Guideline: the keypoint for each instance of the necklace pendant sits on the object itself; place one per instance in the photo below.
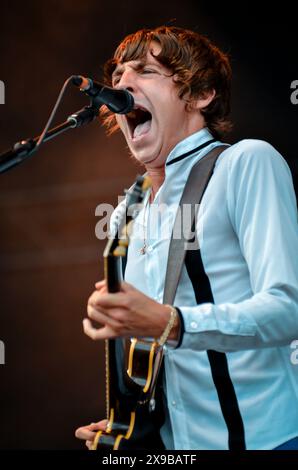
(143, 250)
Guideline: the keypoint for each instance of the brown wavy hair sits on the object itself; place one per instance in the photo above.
(196, 64)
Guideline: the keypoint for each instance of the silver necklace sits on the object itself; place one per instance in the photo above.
(143, 250)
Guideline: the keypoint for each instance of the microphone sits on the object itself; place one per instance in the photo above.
(118, 101)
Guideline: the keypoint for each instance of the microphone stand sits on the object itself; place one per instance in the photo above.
(24, 149)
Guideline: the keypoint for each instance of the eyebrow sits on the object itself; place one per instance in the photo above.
(120, 67)
(136, 65)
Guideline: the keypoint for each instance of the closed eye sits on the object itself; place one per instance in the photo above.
(147, 71)
(115, 80)
(144, 71)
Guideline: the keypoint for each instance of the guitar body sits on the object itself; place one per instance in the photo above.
(134, 418)
(137, 434)
(133, 379)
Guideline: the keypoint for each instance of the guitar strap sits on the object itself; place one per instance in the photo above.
(192, 195)
(180, 254)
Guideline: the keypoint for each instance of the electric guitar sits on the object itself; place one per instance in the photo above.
(132, 365)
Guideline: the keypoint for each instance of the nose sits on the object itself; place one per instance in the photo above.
(128, 81)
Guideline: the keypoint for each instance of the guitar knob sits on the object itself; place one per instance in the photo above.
(152, 405)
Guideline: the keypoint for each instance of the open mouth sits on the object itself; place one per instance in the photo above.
(139, 122)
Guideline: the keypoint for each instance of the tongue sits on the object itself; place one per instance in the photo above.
(142, 128)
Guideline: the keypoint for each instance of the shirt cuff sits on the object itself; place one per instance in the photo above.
(174, 344)
(209, 326)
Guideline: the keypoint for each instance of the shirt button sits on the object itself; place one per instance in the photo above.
(174, 403)
(194, 324)
(149, 249)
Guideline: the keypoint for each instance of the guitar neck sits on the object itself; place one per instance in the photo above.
(120, 388)
(113, 273)
(113, 279)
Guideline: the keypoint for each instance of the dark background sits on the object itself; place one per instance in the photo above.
(53, 379)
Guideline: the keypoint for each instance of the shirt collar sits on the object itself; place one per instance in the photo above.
(188, 146)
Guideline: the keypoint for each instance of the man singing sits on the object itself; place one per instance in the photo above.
(248, 242)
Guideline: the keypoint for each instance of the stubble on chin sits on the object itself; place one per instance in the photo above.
(133, 158)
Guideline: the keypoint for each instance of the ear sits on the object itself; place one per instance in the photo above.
(203, 101)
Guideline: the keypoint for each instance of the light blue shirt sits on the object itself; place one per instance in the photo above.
(247, 231)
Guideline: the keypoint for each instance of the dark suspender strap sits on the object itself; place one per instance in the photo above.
(178, 254)
(218, 360)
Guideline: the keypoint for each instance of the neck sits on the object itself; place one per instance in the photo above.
(157, 176)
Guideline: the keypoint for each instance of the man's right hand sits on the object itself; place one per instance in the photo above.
(88, 433)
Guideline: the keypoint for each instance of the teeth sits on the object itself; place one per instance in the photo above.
(132, 114)
(140, 107)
